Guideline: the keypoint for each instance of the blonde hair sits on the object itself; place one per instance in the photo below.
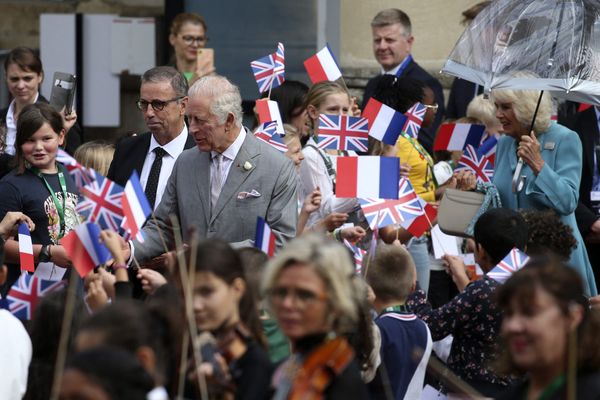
(524, 103)
(96, 154)
(392, 273)
(332, 263)
(291, 133)
(483, 109)
(319, 92)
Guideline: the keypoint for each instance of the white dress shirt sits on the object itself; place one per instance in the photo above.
(174, 148)
(313, 173)
(228, 156)
(11, 127)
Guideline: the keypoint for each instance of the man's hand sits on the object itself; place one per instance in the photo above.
(334, 220)
(10, 224)
(151, 280)
(353, 234)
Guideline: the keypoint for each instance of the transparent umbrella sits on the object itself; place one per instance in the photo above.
(556, 42)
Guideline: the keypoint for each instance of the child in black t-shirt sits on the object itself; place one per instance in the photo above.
(39, 186)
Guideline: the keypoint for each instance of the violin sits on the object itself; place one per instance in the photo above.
(320, 368)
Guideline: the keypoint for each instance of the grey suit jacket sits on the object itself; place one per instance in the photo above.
(187, 196)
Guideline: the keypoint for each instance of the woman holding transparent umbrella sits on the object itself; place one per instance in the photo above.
(552, 160)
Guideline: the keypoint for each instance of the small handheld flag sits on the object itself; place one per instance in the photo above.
(368, 176)
(514, 261)
(380, 213)
(455, 137)
(322, 66)
(136, 207)
(84, 248)
(488, 149)
(269, 71)
(385, 123)
(342, 132)
(414, 120)
(479, 165)
(25, 248)
(267, 133)
(265, 239)
(80, 174)
(26, 293)
(102, 203)
(421, 224)
(358, 255)
(268, 111)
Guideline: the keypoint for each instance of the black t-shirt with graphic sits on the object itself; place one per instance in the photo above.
(28, 193)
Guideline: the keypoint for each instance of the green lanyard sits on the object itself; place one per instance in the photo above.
(552, 388)
(402, 308)
(60, 208)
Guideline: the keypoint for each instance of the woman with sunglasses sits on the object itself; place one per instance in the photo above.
(188, 37)
(314, 295)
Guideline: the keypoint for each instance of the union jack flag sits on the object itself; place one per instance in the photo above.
(102, 203)
(478, 164)
(488, 148)
(267, 132)
(80, 174)
(514, 261)
(380, 213)
(269, 71)
(414, 119)
(358, 255)
(342, 132)
(25, 294)
(421, 224)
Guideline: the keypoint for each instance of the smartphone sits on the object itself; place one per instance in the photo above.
(63, 91)
(205, 60)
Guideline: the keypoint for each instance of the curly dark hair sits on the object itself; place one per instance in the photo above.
(547, 233)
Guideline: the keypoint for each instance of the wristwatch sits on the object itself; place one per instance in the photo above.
(44, 254)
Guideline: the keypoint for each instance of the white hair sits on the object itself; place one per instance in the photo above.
(225, 97)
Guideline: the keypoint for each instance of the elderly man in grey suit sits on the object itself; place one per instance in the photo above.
(229, 179)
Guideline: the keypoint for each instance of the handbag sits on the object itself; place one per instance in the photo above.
(456, 211)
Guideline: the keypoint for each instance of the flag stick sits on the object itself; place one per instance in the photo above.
(65, 333)
(271, 85)
(183, 363)
(189, 311)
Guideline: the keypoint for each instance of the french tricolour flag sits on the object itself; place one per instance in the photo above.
(322, 66)
(265, 239)
(385, 123)
(84, 248)
(368, 176)
(25, 248)
(457, 136)
(268, 111)
(135, 206)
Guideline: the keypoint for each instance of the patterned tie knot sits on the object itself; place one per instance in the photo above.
(159, 152)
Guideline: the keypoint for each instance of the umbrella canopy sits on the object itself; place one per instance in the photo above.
(556, 40)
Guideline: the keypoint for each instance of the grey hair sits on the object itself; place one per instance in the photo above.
(333, 264)
(170, 74)
(392, 16)
(225, 97)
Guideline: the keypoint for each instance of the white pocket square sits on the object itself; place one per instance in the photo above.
(245, 195)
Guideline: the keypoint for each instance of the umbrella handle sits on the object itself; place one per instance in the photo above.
(518, 180)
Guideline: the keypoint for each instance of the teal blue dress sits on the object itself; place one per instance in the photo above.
(555, 187)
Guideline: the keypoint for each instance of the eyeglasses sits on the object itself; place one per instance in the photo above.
(302, 297)
(187, 39)
(433, 107)
(157, 105)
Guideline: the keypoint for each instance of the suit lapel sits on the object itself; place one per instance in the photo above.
(237, 174)
(139, 157)
(202, 168)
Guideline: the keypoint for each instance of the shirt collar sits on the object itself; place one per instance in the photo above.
(231, 152)
(394, 71)
(10, 120)
(174, 147)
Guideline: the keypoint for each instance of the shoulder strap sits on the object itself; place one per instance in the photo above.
(328, 164)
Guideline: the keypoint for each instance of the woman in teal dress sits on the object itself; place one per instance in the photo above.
(552, 156)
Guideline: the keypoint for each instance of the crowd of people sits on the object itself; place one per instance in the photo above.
(191, 309)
